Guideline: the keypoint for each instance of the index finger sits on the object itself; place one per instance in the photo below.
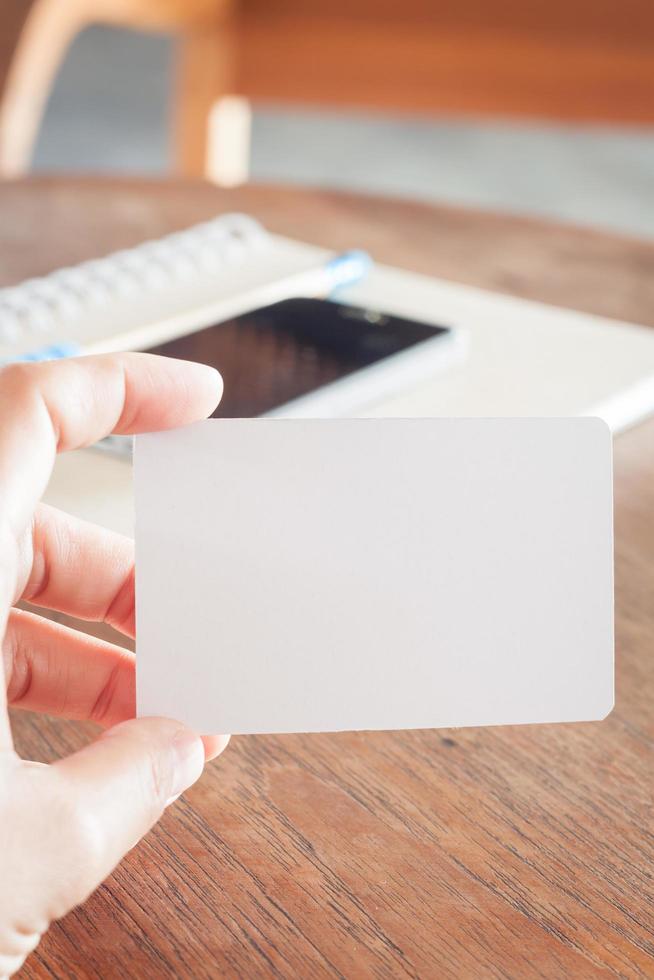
(60, 405)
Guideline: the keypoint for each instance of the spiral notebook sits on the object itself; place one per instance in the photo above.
(147, 294)
(516, 357)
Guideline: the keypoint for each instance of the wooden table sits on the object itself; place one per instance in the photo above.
(510, 852)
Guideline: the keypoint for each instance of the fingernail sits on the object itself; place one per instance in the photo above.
(189, 760)
(207, 374)
(214, 745)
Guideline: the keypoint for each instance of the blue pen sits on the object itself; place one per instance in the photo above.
(347, 269)
(52, 352)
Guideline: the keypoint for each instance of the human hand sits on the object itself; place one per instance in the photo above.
(65, 826)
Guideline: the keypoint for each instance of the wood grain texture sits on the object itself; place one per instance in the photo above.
(510, 852)
(558, 60)
(587, 60)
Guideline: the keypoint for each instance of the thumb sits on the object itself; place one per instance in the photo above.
(121, 784)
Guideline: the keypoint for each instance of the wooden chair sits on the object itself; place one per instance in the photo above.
(35, 36)
(565, 60)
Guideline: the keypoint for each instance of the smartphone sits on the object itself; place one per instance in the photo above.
(311, 357)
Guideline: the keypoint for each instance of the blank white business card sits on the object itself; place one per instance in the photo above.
(321, 575)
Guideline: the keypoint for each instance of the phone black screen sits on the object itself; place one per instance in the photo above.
(269, 356)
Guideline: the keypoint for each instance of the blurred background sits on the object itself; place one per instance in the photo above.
(545, 108)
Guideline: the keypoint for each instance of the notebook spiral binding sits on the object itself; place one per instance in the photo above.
(40, 306)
